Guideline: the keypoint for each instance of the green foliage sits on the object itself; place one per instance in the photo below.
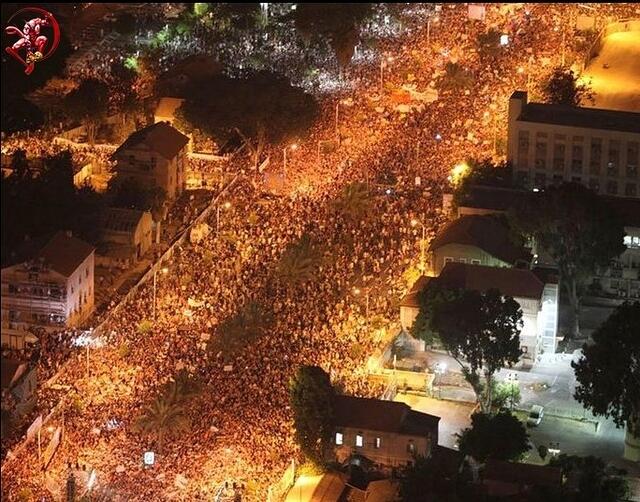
(260, 109)
(299, 262)
(479, 330)
(163, 417)
(124, 350)
(455, 78)
(580, 231)
(237, 331)
(595, 482)
(312, 400)
(144, 326)
(506, 394)
(543, 451)
(608, 373)
(88, 103)
(26, 495)
(489, 43)
(501, 437)
(562, 88)
(354, 201)
(129, 193)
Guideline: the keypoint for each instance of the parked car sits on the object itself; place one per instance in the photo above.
(535, 415)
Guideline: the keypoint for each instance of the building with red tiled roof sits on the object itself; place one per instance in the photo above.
(52, 287)
(385, 432)
(537, 299)
(154, 156)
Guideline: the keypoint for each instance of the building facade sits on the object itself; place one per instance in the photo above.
(155, 157)
(387, 433)
(549, 144)
(54, 288)
(125, 236)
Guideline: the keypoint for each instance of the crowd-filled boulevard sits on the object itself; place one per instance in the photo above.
(241, 425)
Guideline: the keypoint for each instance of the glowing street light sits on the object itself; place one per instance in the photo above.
(293, 146)
(458, 172)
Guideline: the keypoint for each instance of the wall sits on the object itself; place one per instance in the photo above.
(463, 252)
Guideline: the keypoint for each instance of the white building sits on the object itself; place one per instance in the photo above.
(54, 288)
(549, 144)
(537, 299)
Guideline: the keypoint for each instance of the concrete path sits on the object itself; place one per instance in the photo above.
(303, 489)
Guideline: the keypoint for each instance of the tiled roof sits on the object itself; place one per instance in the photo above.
(487, 232)
(515, 282)
(119, 219)
(573, 116)
(160, 137)
(378, 415)
(64, 253)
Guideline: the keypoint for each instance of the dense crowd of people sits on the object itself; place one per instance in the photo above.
(241, 427)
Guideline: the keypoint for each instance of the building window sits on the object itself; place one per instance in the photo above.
(359, 440)
(475, 262)
(630, 190)
(378, 442)
(558, 156)
(612, 188)
(632, 171)
(12, 288)
(613, 160)
(339, 438)
(596, 156)
(448, 259)
(462, 260)
(540, 180)
(541, 152)
(594, 185)
(632, 154)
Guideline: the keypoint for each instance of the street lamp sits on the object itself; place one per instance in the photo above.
(294, 146)
(388, 59)
(415, 223)
(164, 271)
(226, 205)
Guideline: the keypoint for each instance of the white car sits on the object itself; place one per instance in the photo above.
(535, 415)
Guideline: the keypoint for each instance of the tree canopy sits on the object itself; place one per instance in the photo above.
(299, 262)
(608, 373)
(580, 231)
(592, 479)
(481, 331)
(88, 103)
(262, 109)
(500, 437)
(563, 88)
(312, 400)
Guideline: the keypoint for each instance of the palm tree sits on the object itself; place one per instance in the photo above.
(455, 77)
(489, 43)
(299, 261)
(250, 322)
(165, 416)
(354, 201)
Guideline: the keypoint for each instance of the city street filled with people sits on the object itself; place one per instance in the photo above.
(241, 426)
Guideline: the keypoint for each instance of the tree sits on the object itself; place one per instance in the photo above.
(499, 437)
(236, 331)
(506, 394)
(578, 229)
(338, 23)
(489, 43)
(354, 201)
(163, 417)
(455, 78)
(129, 193)
(299, 261)
(562, 88)
(262, 108)
(89, 104)
(312, 401)
(481, 331)
(594, 482)
(608, 373)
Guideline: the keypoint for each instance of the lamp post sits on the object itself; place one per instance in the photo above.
(164, 271)
(294, 146)
(414, 223)
(226, 205)
(388, 59)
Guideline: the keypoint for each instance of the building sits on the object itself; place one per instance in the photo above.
(19, 385)
(386, 433)
(620, 281)
(155, 157)
(479, 240)
(548, 144)
(537, 299)
(166, 109)
(53, 288)
(502, 479)
(125, 236)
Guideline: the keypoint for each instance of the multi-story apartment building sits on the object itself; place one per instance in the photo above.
(154, 156)
(388, 433)
(54, 288)
(549, 144)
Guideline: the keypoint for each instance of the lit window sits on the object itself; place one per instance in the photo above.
(359, 440)
(378, 442)
(411, 448)
(338, 437)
